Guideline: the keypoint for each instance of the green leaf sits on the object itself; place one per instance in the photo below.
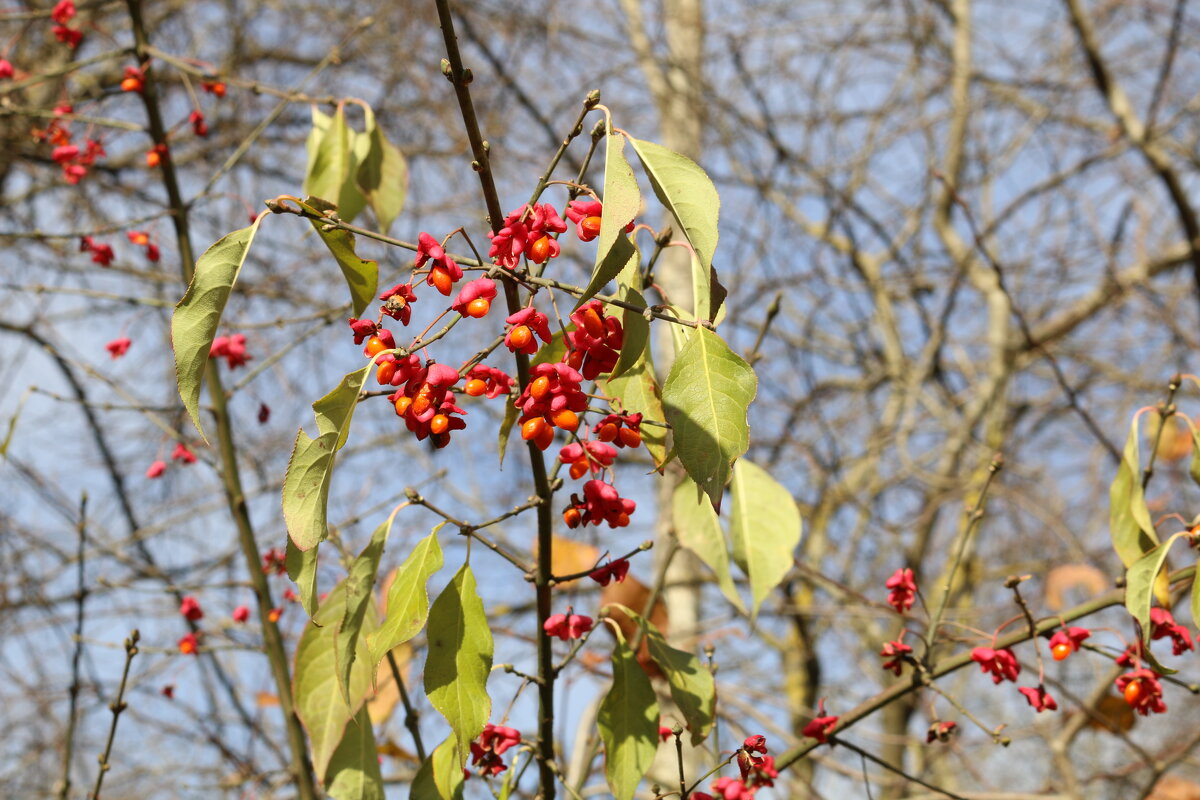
(333, 167)
(686, 190)
(1130, 525)
(440, 776)
(1140, 580)
(1196, 597)
(302, 569)
(320, 705)
(636, 333)
(628, 722)
(765, 526)
(706, 397)
(359, 583)
(197, 316)
(361, 274)
(699, 530)
(310, 469)
(638, 392)
(320, 124)
(353, 772)
(408, 600)
(615, 251)
(1194, 469)
(382, 174)
(459, 659)
(692, 686)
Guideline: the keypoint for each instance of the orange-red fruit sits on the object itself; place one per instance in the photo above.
(131, 85)
(591, 225)
(153, 158)
(421, 402)
(475, 387)
(545, 438)
(572, 517)
(622, 520)
(539, 251)
(375, 346)
(1060, 651)
(533, 428)
(578, 469)
(1133, 692)
(478, 307)
(592, 323)
(402, 405)
(566, 419)
(385, 372)
(520, 336)
(442, 280)
(630, 438)
(439, 423)
(539, 387)
(607, 432)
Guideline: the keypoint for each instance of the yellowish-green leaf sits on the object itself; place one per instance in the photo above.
(310, 469)
(353, 772)
(302, 569)
(615, 251)
(198, 315)
(1140, 579)
(765, 527)
(1130, 525)
(361, 274)
(459, 659)
(382, 174)
(333, 166)
(705, 398)
(320, 705)
(689, 194)
(440, 776)
(408, 600)
(636, 333)
(360, 585)
(699, 530)
(638, 392)
(628, 722)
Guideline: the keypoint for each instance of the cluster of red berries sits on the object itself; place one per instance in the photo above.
(189, 643)
(181, 453)
(427, 404)
(756, 767)
(553, 398)
(62, 13)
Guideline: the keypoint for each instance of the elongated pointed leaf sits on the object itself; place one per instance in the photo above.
(353, 772)
(320, 124)
(765, 527)
(408, 600)
(334, 163)
(459, 659)
(706, 398)
(638, 392)
(636, 334)
(1130, 525)
(360, 585)
(692, 686)
(687, 191)
(628, 722)
(361, 274)
(382, 174)
(1140, 579)
(310, 469)
(699, 530)
(440, 776)
(302, 569)
(615, 251)
(198, 315)
(320, 704)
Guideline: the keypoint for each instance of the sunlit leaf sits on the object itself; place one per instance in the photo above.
(382, 174)
(691, 683)
(333, 166)
(1130, 525)
(638, 392)
(459, 659)
(1140, 580)
(360, 585)
(440, 776)
(699, 530)
(302, 569)
(361, 274)
(628, 722)
(353, 772)
(765, 528)
(198, 315)
(310, 469)
(407, 599)
(705, 398)
(636, 334)
(622, 201)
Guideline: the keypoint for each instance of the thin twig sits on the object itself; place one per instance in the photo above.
(116, 706)
(81, 594)
(411, 720)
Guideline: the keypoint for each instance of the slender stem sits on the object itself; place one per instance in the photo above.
(116, 706)
(460, 79)
(235, 497)
(892, 768)
(81, 594)
(411, 720)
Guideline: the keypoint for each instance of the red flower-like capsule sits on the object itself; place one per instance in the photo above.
(940, 732)
(1039, 698)
(134, 80)
(587, 457)
(156, 469)
(1142, 690)
(118, 347)
(274, 560)
(491, 744)
(232, 348)
(445, 271)
(595, 345)
(527, 234)
(63, 11)
(612, 571)
(199, 125)
(6, 69)
(214, 87)
(475, 298)
(903, 590)
(730, 789)
(241, 614)
(567, 626)
(623, 430)
(362, 329)
(189, 645)
(182, 453)
(1065, 642)
(896, 651)
(190, 609)
(1163, 625)
(602, 503)
(397, 301)
(487, 381)
(1001, 663)
(525, 323)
